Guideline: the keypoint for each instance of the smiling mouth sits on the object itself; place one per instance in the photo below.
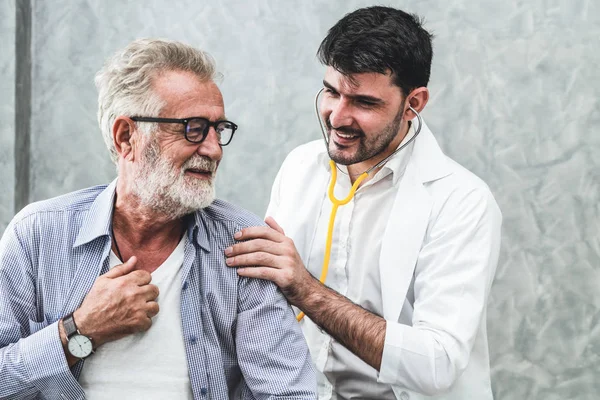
(201, 173)
(344, 139)
(346, 135)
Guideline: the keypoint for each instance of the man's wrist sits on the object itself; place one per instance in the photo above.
(65, 341)
(79, 345)
(62, 333)
(83, 328)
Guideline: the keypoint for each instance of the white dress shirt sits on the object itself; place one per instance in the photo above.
(354, 273)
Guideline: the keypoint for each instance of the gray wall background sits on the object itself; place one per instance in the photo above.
(514, 98)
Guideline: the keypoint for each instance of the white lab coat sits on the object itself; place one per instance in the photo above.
(444, 229)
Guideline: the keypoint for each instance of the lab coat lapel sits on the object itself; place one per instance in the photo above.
(409, 218)
(302, 211)
(309, 205)
(402, 242)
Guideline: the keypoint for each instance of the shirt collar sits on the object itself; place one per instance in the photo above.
(198, 225)
(398, 162)
(98, 220)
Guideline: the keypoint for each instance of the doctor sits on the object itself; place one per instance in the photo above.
(402, 314)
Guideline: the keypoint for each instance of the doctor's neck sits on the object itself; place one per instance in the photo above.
(357, 169)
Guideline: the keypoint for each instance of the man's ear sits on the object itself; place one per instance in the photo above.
(124, 133)
(417, 99)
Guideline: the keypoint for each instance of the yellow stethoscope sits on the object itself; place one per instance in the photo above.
(337, 202)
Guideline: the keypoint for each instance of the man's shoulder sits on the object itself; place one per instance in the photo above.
(221, 210)
(72, 202)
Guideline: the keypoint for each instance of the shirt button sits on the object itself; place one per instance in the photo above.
(203, 391)
(193, 339)
(185, 285)
(404, 396)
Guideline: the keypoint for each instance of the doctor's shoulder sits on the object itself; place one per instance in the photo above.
(463, 189)
(307, 153)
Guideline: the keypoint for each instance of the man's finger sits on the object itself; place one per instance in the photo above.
(140, 277)
(152, 309)
(123, 269)
(273, 224)
(150, 292)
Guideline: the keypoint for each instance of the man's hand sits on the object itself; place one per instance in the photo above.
(120, 303)
(272, 256)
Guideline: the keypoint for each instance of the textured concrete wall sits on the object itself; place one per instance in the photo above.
(7, 111)
(514, 98)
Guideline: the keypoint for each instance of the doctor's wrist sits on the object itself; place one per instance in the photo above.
(307, 294)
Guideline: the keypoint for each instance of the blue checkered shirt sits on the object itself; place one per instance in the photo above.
(241, 337)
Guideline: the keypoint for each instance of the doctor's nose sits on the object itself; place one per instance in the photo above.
(339, 114)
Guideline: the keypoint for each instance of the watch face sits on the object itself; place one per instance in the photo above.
(80, 346)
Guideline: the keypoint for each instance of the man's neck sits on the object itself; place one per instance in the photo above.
(144, 233)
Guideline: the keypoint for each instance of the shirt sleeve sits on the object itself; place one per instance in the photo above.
(452, 281)
(32, 359)
(272, 353)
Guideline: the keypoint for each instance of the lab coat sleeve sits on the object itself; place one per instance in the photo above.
(32, 359)
(452, 281)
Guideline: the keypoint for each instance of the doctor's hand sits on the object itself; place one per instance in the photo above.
(266, 253)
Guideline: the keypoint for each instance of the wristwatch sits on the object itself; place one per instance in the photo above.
(80, 346)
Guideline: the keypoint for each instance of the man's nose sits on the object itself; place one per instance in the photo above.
(210, 146)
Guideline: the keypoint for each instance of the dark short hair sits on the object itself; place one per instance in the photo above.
(380, 39)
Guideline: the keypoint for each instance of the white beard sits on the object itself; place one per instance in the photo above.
(163, 189)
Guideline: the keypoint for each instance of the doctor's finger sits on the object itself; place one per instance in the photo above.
(259, 232)
(255, 245)
(266, 273)
(273, 224)
(251, 259)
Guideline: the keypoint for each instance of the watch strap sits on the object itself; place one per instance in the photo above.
(69, 325)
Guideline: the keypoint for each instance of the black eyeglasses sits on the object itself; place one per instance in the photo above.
(196, 128)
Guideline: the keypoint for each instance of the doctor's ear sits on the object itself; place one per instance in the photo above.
(417, 99)
(124, 137)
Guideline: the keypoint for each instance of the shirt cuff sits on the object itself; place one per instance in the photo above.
(391, 357)
(46, 365)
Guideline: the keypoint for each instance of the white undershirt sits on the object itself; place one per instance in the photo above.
(148, 365)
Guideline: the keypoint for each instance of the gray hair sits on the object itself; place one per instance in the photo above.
(125, 81)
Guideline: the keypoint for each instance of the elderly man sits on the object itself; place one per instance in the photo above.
(122, 291)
